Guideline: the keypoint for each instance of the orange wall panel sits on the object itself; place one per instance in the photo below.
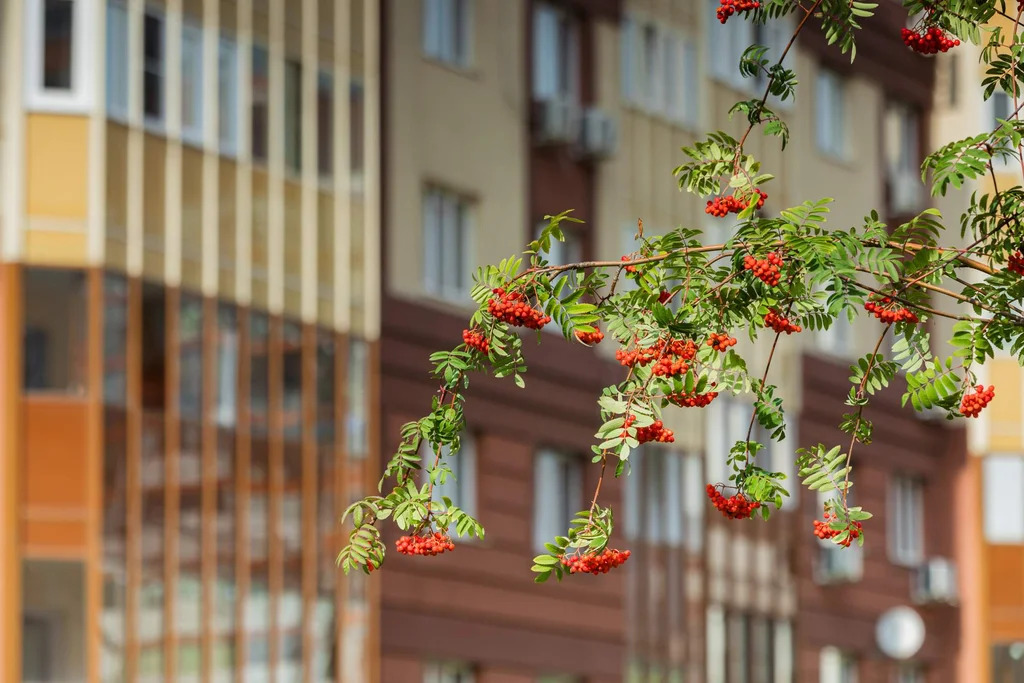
(56, 163)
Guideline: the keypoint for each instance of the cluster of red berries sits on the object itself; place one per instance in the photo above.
(824, 530)
(629, 269)
(888, 312)
(590, 338)
(720, 342)
(592, 563)
(972, 404)
(512, 308)
(653, 432)
(694, 400)
(929, 42)
(670, 358)
(433, 544)
(664, 296)
(768, 269)
(729, 7)
(780, 323)
(1016, 261)
(734, 507)
(722, 206)
(476, 340)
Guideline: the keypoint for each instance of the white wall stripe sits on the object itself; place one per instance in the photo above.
(342, 168)
(12, 187)
(310, 170)
(172, 118)
(136, 167)
(275, 193)
(211, 181)
(243, 180)
(97, 212)
(371, 173)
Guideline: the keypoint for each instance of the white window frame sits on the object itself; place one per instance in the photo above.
(80, 97)
(557, 493)
(192, 46)
(118, 89)
(782, 651)
(668, 86)
(837, 340)
(154, 123)
(905, 520)
(447, 246)
(837, 666)
(715, 643)
(902, 124)
(830, 105)
(461, 485)
(1000, 163)
(551, 49)
(726, 421)
(228, 70)
(440, 27)
(1003, 498)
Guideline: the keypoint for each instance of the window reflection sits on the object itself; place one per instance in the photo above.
(289, 613)
(257, 607)
(55, 330)
(225, 593)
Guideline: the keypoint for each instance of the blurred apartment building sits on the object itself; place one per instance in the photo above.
(189, 295)
(496, 113)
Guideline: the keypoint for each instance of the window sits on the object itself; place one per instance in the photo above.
(355, 129)
(1003, 497)
(356, 417)
(54, 621)
(58, 37)
(1002, 107)
(906, 520)
(293, 115)
(726, 50)
(663, 490)
(557, 494)
(837, 666)
(659, 70)
(837, 564)
(912, 673)
(448, 672)
(1008, 662)
(153, 66)
(738, 648)
(836, 340)
(903, 157)
(727, 422)
(447, 28)
(192, 83)
(227, 94)
(830, 124)
(446, 244)
(260, 90)
(782, 651)
(325, 123)
(555, 54)
(459, 486)
(716, 648)
(562, 253)
(117, 61)
(55, 330)
(775, 35)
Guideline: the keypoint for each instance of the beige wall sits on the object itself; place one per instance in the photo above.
(462, 130)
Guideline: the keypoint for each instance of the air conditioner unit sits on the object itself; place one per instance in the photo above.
(935, 582)
(598, 134)
(557, 121)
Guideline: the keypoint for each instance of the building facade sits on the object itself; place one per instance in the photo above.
(497, 113)
(189, 281)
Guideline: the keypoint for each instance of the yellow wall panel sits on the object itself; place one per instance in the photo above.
(226, 242)
(293, 248)
(192, 217)
(260, 235)
(117, 196)
(56, 248)
(153, 198)
(56, 163)
(1004, 413)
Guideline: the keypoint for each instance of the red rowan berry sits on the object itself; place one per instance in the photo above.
(590, 338)
(888, 311)
(972, 404)
(768, 269)
(729, 7)
(929, 42)
(824, 530)
(720, 342)
(594, 563)
(431, 544)
(779, 323)
(664, 296)
(629, 269)
(734, 507)
(692, 400)
(512, 308)
(1015, 263)
(475, 339)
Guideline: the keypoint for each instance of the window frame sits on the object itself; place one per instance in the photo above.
(570, 467)
(192, 133)
(830, 556)
(442, 237)
(227, 101)
(79, 98)
(153, 122)
(830, 138)
(845, 663)
(464, 469)
(905, 520)
(1001, 163)
(114, 71)
(566, 57)
(454, 30)
(994, 500)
